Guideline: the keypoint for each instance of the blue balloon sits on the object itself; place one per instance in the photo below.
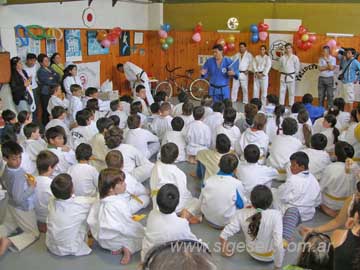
(254, 29)
(166, 27)
(254, 38)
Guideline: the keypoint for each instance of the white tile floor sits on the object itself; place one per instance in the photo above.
(37, 257)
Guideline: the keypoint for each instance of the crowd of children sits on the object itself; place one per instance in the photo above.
(85, 173)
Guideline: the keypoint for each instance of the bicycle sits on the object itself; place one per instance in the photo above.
(196, 87)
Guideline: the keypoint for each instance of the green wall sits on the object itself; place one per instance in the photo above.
(317, 17)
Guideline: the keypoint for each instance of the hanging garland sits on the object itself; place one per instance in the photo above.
(43, 35)
(51, 33)
(25, 39)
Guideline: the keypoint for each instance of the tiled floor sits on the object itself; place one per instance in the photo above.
(37, 257)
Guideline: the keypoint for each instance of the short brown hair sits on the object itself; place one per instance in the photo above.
(46, 159)
(165, 106)
(108, 179)
(250, 110)
(113, 137)
(259, 121)
(114, 159)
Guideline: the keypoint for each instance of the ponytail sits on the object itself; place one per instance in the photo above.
(331, 119)
(254, 225)
(307, 134)
(279, 111)
(336, 134)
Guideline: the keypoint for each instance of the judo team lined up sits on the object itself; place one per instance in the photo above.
(83, 178)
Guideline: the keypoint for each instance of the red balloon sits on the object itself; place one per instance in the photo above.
(226, 48)
(231, 46)
(299, 43)
(312, 38)
(263, 27)
(302, 30)
(117, 31)
(198, 28)
(221, 41)
(112, 37)
(306, 45)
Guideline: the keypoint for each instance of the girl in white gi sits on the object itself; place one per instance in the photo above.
(187, 113)
(244, 60)
(20, 208)
(83, 132)
(134, 161)
(289, 68)
(283, 146)
(223, 194)
(331, 132)
(56, 139)
(176, 136)
(274, 121)
(261, 67)
(33, 144)
(67, 228)
(164, 172)
(118, 110)
(261, 226)
(163, 225)
(197, 135)
(251, 173)
(85, 177)
(208, 160)
(348, 135)
(177, 109)
(70, 78)
(57, 98)
(99, 148)
(271, 102)
(45, 163)
(255, 135)
(336, 183)
(304, 129)
(162, 123)
(138, 195)
(343, 118)
(216, 118)
(319, 159)
(298, 197)
(318, 124)
(228, 128)
(110, 219)
(75, 102)
(140, 138)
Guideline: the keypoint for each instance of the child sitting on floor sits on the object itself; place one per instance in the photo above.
(118, 110)
(162, 123)
(176, 136)
(110, 219)
(187, 113)
(228, 128)
(57, 98)
(66, 224)
(75, 102)
(83, 132)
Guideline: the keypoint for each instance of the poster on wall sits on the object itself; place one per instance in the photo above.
(277, 47)
(89, 74)
(51, 47)
(73, 45)
(125, 43)
(93, 46)
(33, 47)
(202, 59)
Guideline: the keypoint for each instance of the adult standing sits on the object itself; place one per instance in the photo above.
(47, 77)
(20, 84)
(136, 75)
(261, 67)
(245, 61)
(219, 69)
(57, 65)
(326, 83)
(289, 67)
(31, 68)
(349, 66)
(70, 77)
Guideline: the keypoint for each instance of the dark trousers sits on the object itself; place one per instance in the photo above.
(326, 88)
(44, 103)
(36, 93)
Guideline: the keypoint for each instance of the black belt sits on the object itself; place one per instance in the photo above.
(288, 75)
(141, 73)
(243, 71)
(218, 86)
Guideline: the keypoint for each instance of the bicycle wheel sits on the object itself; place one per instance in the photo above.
(164, 86)
(199, 88)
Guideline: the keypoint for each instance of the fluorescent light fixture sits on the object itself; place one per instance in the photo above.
(339, 35)
(227, 31)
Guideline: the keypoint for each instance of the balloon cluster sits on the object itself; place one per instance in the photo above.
(334, 48)
(228, 45)
(107, 39)
(303, 39)
(165, 39)
(259, 32)
(196, 37)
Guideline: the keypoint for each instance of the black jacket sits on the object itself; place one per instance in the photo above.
(17, 86)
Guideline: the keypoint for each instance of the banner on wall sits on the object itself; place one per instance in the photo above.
(125, 43)
(277, 47)
(93, 46)
(33, 47)
(89, 74)
(307, 81)
(51, 47)
(73, 45)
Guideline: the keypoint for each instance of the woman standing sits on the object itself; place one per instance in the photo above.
(55, 64)
(20, 85)
(47, 77)
(70, 78)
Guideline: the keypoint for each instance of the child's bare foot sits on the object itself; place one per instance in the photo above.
(126, 257)
(4, 244)
(116, 252)
(195, 220)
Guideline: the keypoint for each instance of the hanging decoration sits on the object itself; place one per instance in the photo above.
(254, 33)
(106, 39)
(165, 40)
(88, 17)
(303, 39)
(263, 31)
(196, 37)
(54, 33)
(24, 38)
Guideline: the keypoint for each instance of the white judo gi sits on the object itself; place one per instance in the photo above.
(85, 179)
(257, 137)
(197, 137)
(245, 64)
(144, 141)
(262, 65)
(289, 68)
(318, 161)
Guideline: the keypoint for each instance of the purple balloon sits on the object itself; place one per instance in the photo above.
(106, 43)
